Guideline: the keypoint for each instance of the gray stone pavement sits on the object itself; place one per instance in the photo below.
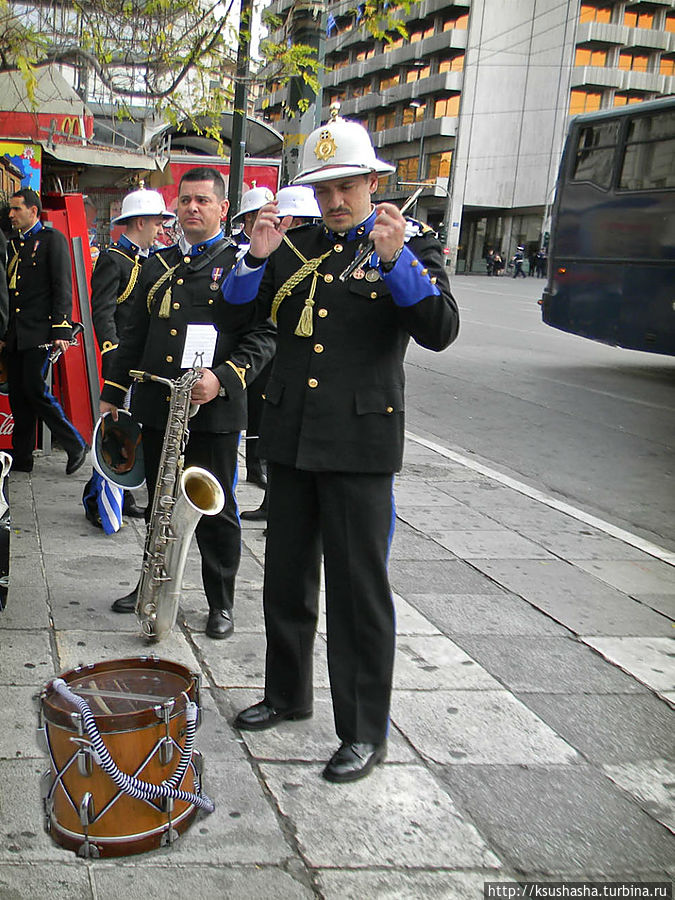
(532, 720)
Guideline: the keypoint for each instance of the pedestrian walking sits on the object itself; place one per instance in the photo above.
(332, 431)
(517, 262)
(180, 291)
(40, 308)
(115, 282)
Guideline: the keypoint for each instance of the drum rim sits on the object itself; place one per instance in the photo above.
(126, 721)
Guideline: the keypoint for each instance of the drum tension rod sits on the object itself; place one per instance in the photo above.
(166, 744)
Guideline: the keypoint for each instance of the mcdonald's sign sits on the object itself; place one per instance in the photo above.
(70, 125)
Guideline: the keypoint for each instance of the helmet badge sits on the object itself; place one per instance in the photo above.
(325, 146)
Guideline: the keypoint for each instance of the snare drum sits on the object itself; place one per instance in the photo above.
(139, 706)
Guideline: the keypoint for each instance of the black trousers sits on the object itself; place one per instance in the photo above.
(30, 399)
(350, 517)
(255, 404)
(218, 537)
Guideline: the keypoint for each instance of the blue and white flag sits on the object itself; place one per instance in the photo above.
(331, 24)
(109, 499)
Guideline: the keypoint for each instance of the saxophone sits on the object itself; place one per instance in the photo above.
(182, 497)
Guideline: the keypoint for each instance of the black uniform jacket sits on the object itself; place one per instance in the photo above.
(114, 283)
(335, 399)
(176, 291)
(40, 289)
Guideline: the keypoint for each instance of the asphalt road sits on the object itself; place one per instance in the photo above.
(588, 424)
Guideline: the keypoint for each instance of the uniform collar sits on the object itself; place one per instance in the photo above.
(128, 244)
(31, 231)
(196, 249)
(354, 234)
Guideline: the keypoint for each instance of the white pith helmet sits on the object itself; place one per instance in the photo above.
(142, 203)
(298, 201)
(253, 200)
(338, 149)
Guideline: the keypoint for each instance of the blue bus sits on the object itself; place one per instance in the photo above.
(611, 272)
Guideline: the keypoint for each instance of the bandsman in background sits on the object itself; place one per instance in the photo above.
(300, 203)
(332, 431)
(252, 201)
(40, 310)
(114, 283)
(178, 309)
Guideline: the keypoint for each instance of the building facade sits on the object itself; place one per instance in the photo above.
(476, 100)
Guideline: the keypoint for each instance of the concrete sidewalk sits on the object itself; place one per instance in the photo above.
(532, 719)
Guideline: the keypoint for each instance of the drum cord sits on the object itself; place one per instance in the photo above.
(129, 784)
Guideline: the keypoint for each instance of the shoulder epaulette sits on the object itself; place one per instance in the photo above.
(414, 228)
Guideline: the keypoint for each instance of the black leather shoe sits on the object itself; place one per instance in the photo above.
(353, 761)
(257, 477)
(76, 461)
(262, 715)
(130, 509)
(254, 515)
(126, 604)
(220, 624)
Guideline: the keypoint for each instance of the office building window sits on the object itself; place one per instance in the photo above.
(439, 165)
(622, 98)
(416, 73)
(670, 22)
(587, 57)
(418, 33)
(637, 18)
(591, 13)
(584, 101)
(635, 62)
(363, 55)
(393, 44)
(407, 168)
(385, 120)
(452, 64)
(391, 81)
(667, 66)
(459, 22)
(413, 114)
(448, 106)
(339, 97)
(340, 63)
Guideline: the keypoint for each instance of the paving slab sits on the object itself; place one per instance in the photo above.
(493, 544)
(53, 881)
(409, 620)
(632, 576)
(408, 543)
(413, 493)
(652, 783)
(566, 820)
(404, 885)
(574, 598)
(543, 664)
(86, 647)
(662, 603)
(201, 882)
(25, 656)
(437, 576)
(649, 659)
(432, 520)
(499, 613)
(21, 818)
(476, 727)
(20, 720)
(435, 662)
(396, 816)
(609, 728)
(582, 544)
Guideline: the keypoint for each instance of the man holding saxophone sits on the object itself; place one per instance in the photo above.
(179, 311)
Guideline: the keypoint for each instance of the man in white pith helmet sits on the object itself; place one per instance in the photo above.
(113, 286)
(253, 200)
(332, 431)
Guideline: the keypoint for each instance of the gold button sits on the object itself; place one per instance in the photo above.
(176, 305)
(264, 396)
(390, 409)
(338, 248)
(413, 263)
(425, 271)
(179, 281)
(17, 309)
(373, 295)
(210, 301)
(433, 280)
(186, 259)
(328, 278)
(312, 382)
(318, 348)
(173, 332)
(169, 359)
(323, 313)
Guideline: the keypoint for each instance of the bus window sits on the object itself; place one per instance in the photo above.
(595, 154)
(649, 160)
